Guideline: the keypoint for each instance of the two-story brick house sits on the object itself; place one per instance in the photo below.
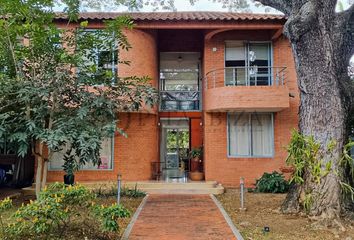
(226, 82)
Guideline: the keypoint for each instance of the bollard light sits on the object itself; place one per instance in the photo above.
(118, 187)
(242, 197)
(266, 230)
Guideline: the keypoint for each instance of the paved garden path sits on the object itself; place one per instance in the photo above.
(177, 217)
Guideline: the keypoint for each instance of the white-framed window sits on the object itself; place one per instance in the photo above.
(106, 154)
(102, 56)
(250, 135)
(248, 63)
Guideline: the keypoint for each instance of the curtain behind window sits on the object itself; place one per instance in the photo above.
(57, 161)
(250, 134)
(262, 134)
(239, 139)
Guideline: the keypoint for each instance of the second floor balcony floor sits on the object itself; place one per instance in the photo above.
(252, 88)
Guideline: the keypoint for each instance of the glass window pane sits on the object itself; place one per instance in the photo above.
(261, 54)
(239, 137)
(57, 161)
(259, 61)
(105, 155)
(262, 135)
(229, 77)
(235, 52)
(100, 57)
(179, 81)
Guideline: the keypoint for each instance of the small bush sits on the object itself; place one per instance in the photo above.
(110, 215)
(272, 183)
(125, 192)
(133, 193)
(5, 204)
(57, 209)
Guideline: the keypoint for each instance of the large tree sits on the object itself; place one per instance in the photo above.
(59, 87)
(323, 43)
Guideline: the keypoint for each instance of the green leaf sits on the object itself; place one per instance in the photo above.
(84, 24)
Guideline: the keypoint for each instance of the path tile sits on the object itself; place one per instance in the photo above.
(181, 217)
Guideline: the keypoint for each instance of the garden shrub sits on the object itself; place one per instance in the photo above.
(5, 204)
(125, 192)
(110, 215)
(272, 183)
(57, 209)
(133, 193)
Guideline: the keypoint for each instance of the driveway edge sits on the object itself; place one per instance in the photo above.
(227, 218)
(130, 226)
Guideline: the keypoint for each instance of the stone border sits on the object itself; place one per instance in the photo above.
(227, 218)
(130, 226)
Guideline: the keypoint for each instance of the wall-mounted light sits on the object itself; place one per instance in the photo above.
(180, 58)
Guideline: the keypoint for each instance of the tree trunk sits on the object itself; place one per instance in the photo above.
(322, 80)
(45, 173)
(39, 173)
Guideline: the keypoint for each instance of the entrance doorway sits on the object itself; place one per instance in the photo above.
(174, 149)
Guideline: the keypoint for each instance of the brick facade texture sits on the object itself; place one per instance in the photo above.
(133, 155)
(229, 170)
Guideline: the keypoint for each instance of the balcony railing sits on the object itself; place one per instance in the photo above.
(246, 76)
(179, 100)
(179, 90)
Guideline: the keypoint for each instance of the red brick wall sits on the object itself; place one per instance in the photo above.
(218, 166)
(132, 155)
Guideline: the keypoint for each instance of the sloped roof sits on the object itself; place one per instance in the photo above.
(177, 16)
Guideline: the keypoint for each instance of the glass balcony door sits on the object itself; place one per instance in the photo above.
(179, 81)
(174, 148)
(248, 64)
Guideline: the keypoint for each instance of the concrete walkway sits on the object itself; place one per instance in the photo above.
(181, 217)
(9, 192)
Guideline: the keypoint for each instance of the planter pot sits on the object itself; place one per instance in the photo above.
(287, 169)
(195, 164)
(196, 176)
(69, 179)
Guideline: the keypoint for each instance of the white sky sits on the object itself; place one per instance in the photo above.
(207, 5)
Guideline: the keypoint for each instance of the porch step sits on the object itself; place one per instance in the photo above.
(161, 187)
(29, 191)
(151, 187)
(170, 190)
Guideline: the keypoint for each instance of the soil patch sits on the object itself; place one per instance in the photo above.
(263, 211)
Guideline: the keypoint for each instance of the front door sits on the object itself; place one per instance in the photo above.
(174, 149)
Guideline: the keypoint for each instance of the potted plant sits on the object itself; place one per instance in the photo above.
(70, 166)
(196, 162)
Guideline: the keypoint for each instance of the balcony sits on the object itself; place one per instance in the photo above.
(179, 100)
(179, 90)
(252, 88)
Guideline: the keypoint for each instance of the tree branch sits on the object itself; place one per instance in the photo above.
(284, 6)
(346, 28)
(350, 26)
(350, 10)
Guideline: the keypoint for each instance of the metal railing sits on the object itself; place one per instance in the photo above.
(245, 76)
(179, 90)
(179, 100)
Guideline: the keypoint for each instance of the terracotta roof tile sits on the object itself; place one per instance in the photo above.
(182, 16)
